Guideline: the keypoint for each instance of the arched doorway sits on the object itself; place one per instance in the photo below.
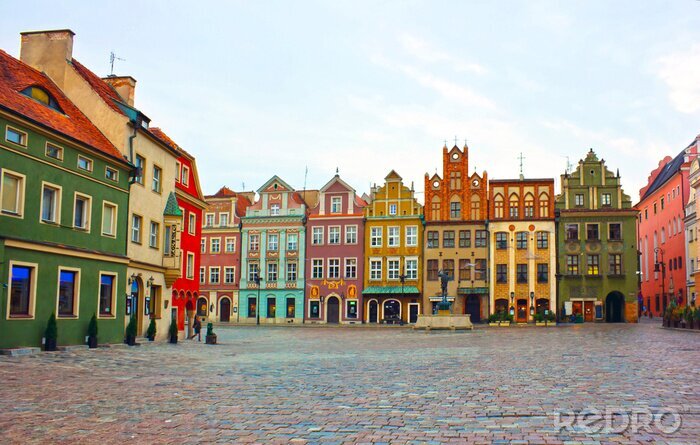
(473, 308)
(521, 311)
(201, 307)
(541, 305)
(373, 312)
(501, 306)
(614, 307)
(136, 303)
(332, 310)
(225, 310)
(392, 309)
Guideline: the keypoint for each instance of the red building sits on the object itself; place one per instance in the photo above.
(191, 202)
(661, 232)
(220, 270)
(335, 255)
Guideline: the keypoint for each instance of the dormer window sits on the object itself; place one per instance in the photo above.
(42, 96)
(336, 204)
(275, 209)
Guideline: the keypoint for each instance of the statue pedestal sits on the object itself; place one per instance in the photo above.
(443, 312)
(444, 321)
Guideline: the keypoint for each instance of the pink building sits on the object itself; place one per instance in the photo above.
(661, 232)
(335, 255)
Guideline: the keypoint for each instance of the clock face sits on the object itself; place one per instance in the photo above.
(436, 184)
(475, 183)
(455, 155)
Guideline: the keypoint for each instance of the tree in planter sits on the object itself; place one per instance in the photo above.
(92, 332)
(173, 332)
(151, 331)
(131, 332)
(51, 334)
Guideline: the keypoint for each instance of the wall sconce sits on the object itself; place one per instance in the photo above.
(132, 278)
(165, 304)
(532, 298)
(512, 298)
(150, 282)
(342, 296)
(321, 299)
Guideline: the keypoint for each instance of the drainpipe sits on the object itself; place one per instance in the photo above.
(557, 275)
(131, 148)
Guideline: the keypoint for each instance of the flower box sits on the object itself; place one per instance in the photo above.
(493, 323)
(504, 323)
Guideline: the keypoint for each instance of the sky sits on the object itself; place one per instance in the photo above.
(300, 88)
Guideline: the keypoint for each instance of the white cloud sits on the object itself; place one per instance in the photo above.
(425, 52)
(681, 73)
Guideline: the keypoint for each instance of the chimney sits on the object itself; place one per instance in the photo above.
(48, 51)
(125, 86)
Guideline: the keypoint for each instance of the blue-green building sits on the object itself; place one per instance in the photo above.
(273, 256)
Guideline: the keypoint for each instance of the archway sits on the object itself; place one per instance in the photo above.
(224, 310)
(614, 307)
(201, 307)
(392, 309)
(521, 311)
(501, 306)
(373, 312)
(332, 310)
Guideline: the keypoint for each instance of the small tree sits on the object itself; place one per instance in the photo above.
(173, 331)
(131, 331)
(51, 333)
(151, 332)
(92, 332)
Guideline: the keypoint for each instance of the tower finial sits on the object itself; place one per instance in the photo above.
(521, 157)
(337, 171)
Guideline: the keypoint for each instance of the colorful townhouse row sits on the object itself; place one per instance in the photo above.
(100, 213)
(280, 255)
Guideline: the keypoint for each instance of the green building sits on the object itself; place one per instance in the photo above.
(63, 216)
(596, 241)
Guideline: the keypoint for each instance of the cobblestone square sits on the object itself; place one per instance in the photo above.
(322, 385)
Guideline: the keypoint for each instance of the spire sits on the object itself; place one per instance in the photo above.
(171, 207)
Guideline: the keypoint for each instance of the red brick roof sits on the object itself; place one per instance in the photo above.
(102, 88)
(15, 76)
(159, 134)
(224, 192)
(242, 203)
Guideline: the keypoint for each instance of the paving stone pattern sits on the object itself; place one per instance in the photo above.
(279, 385)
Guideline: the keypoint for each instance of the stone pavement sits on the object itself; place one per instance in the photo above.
(278, 385)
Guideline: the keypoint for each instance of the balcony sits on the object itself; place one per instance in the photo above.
(171, 263)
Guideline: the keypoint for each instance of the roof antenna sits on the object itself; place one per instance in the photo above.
(243, 186)
(569, 166)
(306, 173)
(521, 157)
(112, 58)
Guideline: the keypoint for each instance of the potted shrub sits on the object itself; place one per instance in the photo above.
(131, 332)
(688, 317)
(151, 331)
(506, 319)
(550, 319)
(676, 315)
(696, 316)
(92, 332)
(493, 319)
(51, 334)
(540, 319)
(173, 331)
(211, 336)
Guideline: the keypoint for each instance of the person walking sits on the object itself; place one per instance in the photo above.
(197, 329)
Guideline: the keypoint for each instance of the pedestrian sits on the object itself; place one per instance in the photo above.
(197, 329)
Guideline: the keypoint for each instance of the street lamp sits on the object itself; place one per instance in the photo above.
(402, 278)
(257, 280)
(660, 265)
(532, 304)
(512, 300)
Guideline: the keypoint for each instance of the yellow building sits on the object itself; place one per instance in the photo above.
(522, 247)
(393, 253)
(692, 246)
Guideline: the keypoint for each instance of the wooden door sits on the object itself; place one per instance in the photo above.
(588, 311)
(521, 311)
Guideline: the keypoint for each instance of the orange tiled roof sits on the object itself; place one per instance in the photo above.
(15, 76)
(224, 192)
(242, 203)
(102, 88)
(160, 134)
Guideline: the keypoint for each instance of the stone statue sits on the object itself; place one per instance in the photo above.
(444, 278)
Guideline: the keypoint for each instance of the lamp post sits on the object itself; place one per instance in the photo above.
(402, 278)
(512, 300)
(532, 304)
(660, 265)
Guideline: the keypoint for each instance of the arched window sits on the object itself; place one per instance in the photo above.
(663, 235)
(475, 207)
(529, 206)
(544, 205)
(435, 208)
(513, 206)
(42, 96)
(498, 206)
(455, 208)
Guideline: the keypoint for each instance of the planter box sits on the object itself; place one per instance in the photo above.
(210, 339)
(540, 323)
(504, 323)
(495, 323)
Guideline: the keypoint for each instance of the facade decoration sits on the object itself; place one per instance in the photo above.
(456, 239)
(596, 240)
(335, 255)
(393, 253)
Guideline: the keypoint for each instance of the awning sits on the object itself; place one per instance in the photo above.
(393, 290)
(473, 290)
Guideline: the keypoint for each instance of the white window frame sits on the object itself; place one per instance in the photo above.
(192, 223)
(331, 229)
(269, 277)
(157, 182)
(216, 269)
(317, 230)
(273, 247)
(408, 270)
(291, 247)
(203, 245)
(88, 211)
(275, 209)
(221, 217)
(349, 232)
(154, 236)
(317, 264)
(189, 266)
(339, 201)
(230, 241)
(57, 203)
(60, 151)
(396, 272)
(76, 290)
(19, 198)
(23, 136)
(185, 178)
(393, 209)
(178, 171)
(375, 274)
(140, 230)
(202, 274)
(411, 238)
(114, 171)
(376, 236)
(113, 224)
(346, 265)
(206, 219)
(393, 240)
(216, 250)
(89, 161)
(336, 265)
(296, 270)
(228, 269)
